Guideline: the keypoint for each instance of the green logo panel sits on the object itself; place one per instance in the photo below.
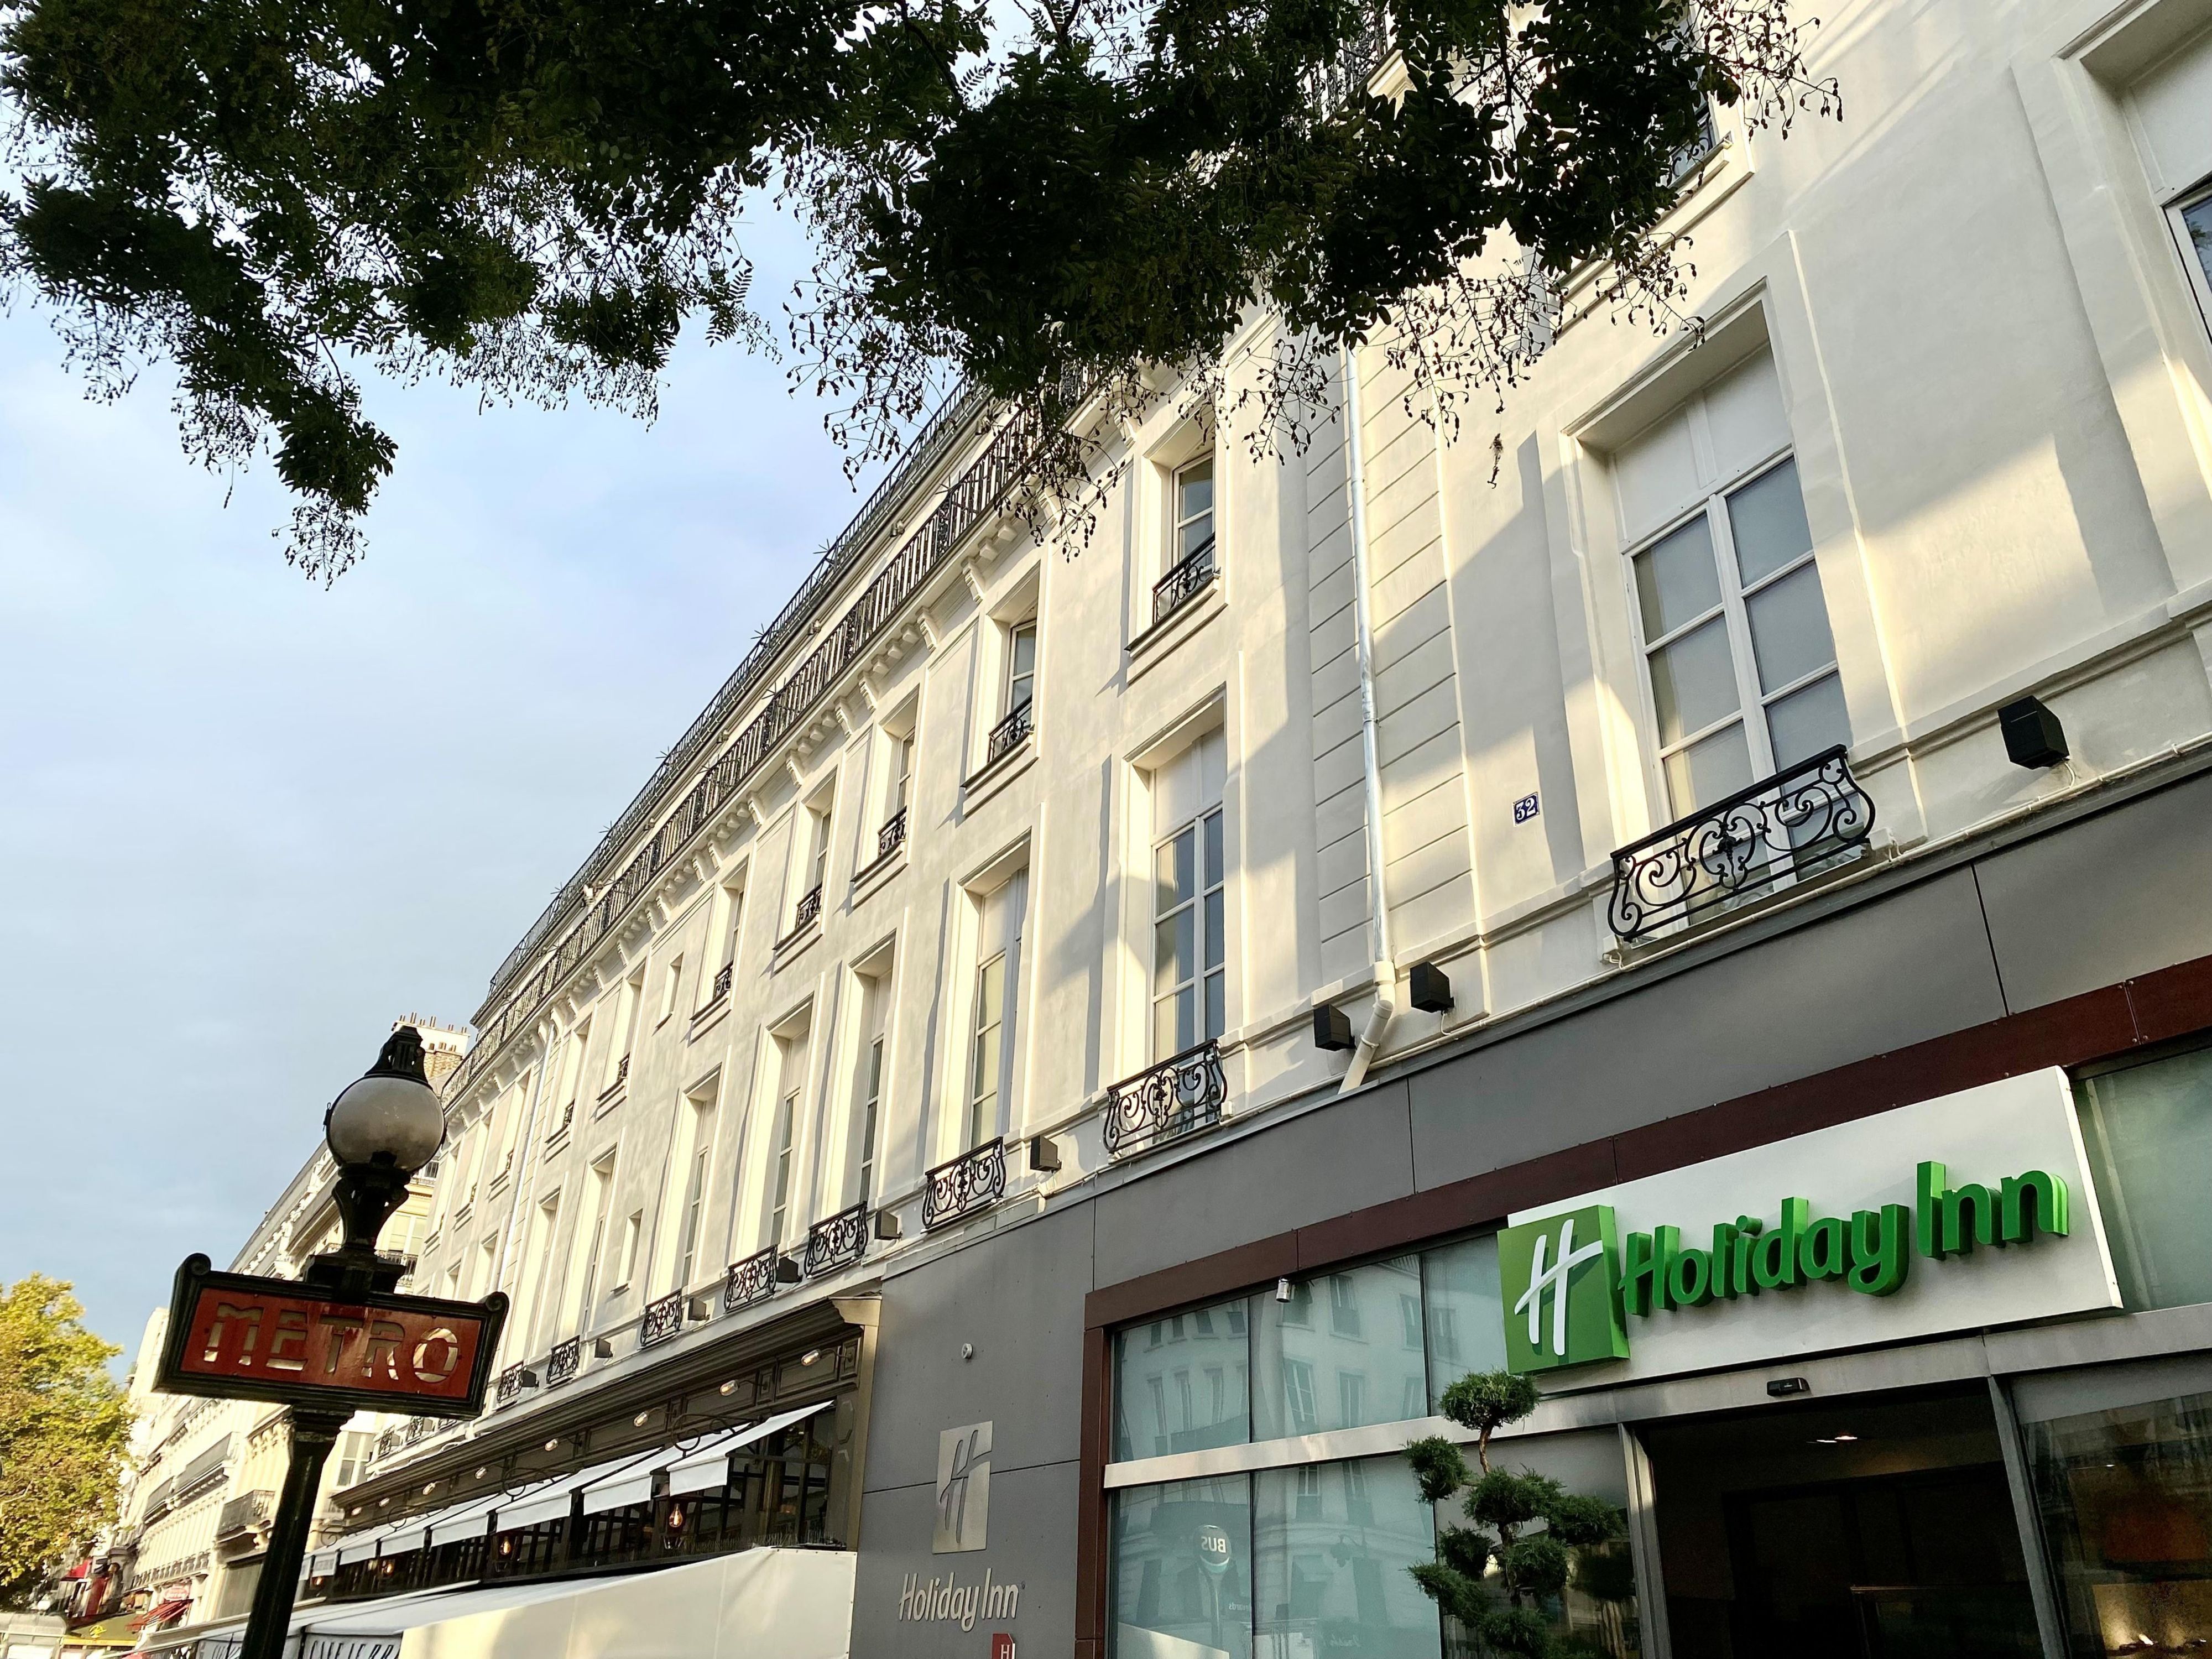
(1561, 1279)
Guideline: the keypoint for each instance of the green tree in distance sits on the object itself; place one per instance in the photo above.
(530, 197)
(63, 1426)
(1527, 1524)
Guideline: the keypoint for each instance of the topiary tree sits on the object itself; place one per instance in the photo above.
(1526, 1524)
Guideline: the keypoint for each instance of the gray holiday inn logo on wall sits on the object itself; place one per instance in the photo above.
(963, 1489)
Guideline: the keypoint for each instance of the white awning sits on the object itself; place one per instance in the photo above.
(468, 1520)
(551, 1502)
(362, 1547)
(791, 1603)
(708, 1467)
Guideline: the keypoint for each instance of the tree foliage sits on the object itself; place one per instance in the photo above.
(64, 1425)
(1527, 1528)
(530, 197)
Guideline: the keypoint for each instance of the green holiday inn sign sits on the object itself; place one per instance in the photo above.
(1572, 1284)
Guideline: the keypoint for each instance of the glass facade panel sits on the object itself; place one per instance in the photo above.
(1466, 1326)
(1182, 1570)
(2125, 1501)
(1337, 1355)
(1331, 1544)
(1807, 720)
(1595, 1617)
(1183, 1382)
(1790, 637)
(2148, 1131)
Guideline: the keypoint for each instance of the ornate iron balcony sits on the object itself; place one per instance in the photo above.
(513, 1381)
(751, 1280)
(242, 1515)
(1186, 580)
(722, 977)
(1784, 829)
(563, 1363)
(422, 1428)
(622, 1076)
(388, 1443)
(568, 1117)
(1010, 733)
(663, 1319)
(1174, 1098)
(837, 1241)
(892, 835)
(808, 912)
(961, 1186)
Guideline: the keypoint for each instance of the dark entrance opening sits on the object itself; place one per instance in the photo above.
(1876, 1528)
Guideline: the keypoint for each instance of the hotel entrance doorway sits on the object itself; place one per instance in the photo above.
(1875, 1529)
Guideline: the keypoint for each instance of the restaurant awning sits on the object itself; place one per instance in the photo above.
(709, 1466)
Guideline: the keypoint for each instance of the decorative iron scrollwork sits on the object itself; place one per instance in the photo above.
(892, 835)
(563, 1363)
(722, 977)
(1010, 733)
(751, 1280)
(837, 1241)
(1791, 825)
(1184, 582)
(1179, 1096)
(663, 1319)
(621, 1076)
(961, 1186)
(513, 1381)
(808, 912)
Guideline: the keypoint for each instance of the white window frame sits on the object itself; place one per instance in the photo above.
(783, 1157)
(588, 1288)
(1178, 519)
(1752, 703)
(1015, 675)
(1194, 827)
(2200, 280)
(692, 1216)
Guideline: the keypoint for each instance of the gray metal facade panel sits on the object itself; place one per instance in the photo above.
(1032, 1543)
(2103, 900)
(1310, 1169)
(1017, 1297)
(1912, 967)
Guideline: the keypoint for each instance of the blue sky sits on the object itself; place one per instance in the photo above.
(245, 822)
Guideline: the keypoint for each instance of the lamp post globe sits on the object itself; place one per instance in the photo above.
(384, 1126)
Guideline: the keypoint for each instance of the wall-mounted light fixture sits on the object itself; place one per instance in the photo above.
(2032, 735)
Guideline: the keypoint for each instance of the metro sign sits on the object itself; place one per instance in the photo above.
(236, 1337)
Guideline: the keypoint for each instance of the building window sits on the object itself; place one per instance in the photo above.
(701, 1129)
(1189, 901)
(672, 986)
(2192, 220)
(579, 1041)
(2148, 1129)
(786, 1133)
(867, 1093)
(541, 1291)
(602, 1200)
(726, 921)
(633, 1237)
(627, 1010)
(1194, 510)
(1021, 665)
(992, 1018)
(1733, 624)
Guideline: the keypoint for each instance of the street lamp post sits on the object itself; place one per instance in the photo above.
(385, 1126)
(341, 1339)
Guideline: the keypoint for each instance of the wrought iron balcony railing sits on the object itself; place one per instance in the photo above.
(512, 1382)
(621, 1076)
(1791, 826)
(663, 1319)
(808, 912)
(961, 1186)
(751, 1280)
(422, 1428)
(562, 1123)
(1188, 579)
(564, 1362)
(242, 1515)
(723, 975)
(1010, 733)
(1174, 1098)
(837, 1241)
(892, 835)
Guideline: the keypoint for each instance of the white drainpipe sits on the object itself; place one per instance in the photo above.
(1355, 506)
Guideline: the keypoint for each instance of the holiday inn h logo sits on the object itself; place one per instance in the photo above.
(1562, 1280)
(1571, 1282)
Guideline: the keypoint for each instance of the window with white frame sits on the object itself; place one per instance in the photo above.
(697, 1151)
(633, 1238)
(2192, 225)
(780, 1169)
(994, 1009)
(867, 1092)
(1189, 920)
(726, 920)
(672, 986)
(628, 1003)
(573, 1064)
(539, 1291)
(1021, 665)
(812, 868)
(1731, 617)
(594, 1239)
(1193, 512)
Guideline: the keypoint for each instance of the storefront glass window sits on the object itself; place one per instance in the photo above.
(1596, 1616)
(1332, 1546)
(1466, 1330)
(2148, 1131)
(2126, 1496)
(1181, 1382)
(1182, 1570)
(1344, 1352)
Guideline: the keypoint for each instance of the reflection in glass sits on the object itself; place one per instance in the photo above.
(1181, 1382)
(1337, 1355)
(1182, 1570)
(1767, 518)
(1332, 1546)
(1807, 720)
(1790, 630)
(1693, 681)
(2197, 216)
(2148, 1129)
(1708, 770)
(1675, 579)
(1465, 1319)
(2125, 1498)
(1595, 1617)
